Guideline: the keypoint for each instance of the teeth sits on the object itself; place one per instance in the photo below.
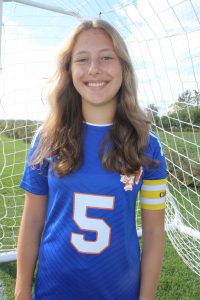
(96, 84)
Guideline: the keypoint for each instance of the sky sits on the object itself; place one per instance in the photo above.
(162, 37)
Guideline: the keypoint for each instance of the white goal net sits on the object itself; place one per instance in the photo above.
(163, 39)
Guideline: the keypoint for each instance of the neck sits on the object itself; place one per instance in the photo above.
(98, 115)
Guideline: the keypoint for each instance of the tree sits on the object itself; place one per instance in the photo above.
(152, 112)
(186, 109)
(196, 98)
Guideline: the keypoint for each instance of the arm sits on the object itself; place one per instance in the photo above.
(28, 243)
(152, 251)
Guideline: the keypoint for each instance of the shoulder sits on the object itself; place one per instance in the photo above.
(36, 138)
(155, 153)
(154, 145)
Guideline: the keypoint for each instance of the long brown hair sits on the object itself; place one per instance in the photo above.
(61, 134)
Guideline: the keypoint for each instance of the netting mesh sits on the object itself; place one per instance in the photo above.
(163, 40)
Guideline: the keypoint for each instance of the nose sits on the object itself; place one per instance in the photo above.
(94, 67)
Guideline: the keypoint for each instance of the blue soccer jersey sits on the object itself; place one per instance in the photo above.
(89, 248)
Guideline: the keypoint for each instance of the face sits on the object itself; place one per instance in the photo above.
(96, 69)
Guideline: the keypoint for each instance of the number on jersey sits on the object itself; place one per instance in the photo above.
(103, 231)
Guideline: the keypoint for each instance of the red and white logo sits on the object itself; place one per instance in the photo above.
(130, 180)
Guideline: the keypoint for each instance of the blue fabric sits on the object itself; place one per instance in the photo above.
(90, 205)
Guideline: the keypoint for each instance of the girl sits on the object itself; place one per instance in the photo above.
(85, 168)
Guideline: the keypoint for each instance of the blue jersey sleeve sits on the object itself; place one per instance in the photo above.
(35, 178)
(153, 189)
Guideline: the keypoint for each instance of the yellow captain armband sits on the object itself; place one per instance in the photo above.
(153, 194)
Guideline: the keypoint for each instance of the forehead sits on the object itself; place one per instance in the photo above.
(92, 40)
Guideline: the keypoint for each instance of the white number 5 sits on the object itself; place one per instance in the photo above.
(103, 231)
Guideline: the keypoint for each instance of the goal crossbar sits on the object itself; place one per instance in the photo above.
(46, 7)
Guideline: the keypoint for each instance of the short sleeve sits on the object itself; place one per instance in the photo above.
(35, 178)
(153, 189)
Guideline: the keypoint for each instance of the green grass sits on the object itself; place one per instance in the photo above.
(177, 281)
(12, 158)
(182, 151)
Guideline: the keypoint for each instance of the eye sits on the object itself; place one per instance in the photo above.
(106, 58)
(81, 60)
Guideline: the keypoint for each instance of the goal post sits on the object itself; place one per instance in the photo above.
(46, 7)
(1, 14)
(162, 38)
(17, 131)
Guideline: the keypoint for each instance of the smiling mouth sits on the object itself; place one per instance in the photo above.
(96, 84)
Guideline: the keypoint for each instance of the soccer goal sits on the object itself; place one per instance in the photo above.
(163, 40)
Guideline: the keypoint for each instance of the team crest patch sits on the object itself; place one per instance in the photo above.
(130, 180)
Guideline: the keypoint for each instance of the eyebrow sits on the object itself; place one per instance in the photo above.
(102, 50)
